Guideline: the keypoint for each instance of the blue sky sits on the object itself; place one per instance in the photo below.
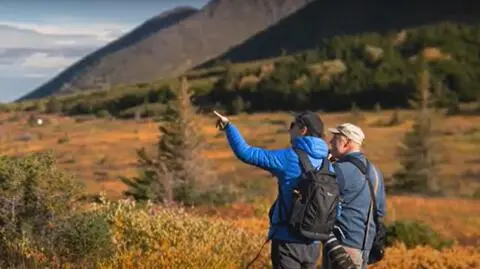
(40, 38)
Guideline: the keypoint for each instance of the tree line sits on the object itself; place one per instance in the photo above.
(344, 71)
(366, 70)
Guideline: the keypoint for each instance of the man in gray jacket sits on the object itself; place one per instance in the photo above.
(356, 208)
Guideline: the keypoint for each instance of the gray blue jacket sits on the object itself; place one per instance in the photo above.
(356, 195)
(285, 165)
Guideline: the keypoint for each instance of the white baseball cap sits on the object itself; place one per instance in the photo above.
(349, 130)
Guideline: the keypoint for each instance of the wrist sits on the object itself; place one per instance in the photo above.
(225, 125)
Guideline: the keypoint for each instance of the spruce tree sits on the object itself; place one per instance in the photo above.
(178, 169)
(419, 152)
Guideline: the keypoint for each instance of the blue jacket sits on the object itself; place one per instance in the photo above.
(356, 195)
(284, 164)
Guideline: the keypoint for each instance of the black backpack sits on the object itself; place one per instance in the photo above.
(314, 201)
(377, 252)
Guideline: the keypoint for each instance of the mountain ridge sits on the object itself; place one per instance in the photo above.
(203, 35)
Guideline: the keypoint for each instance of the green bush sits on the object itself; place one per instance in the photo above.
(84, 236)
(103, 114)
(145, 110)
(33, 195)
(237, 106)
(5, 108)
(53, 105)
(219, 195)
(413, 234)
(476, 194)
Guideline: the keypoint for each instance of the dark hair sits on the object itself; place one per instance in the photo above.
(311, 121)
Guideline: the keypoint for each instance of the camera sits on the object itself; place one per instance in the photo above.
(337, 255)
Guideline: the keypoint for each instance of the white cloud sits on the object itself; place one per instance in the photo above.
(34, 50)
(35, 75)
(29, 35)
(101, 31)
(42, 60)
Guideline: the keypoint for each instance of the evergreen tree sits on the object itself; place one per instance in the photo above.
(53, 105)
(177, 170)
(419, 153)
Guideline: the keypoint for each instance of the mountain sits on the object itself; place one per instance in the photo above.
(324, 19)
(185, 39)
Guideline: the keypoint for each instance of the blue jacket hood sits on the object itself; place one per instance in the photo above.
(314, 146)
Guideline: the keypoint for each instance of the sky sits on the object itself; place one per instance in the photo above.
(40, 38)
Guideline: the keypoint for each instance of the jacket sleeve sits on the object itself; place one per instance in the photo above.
(271, 160)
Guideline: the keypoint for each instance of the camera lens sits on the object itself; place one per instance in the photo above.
(337, 254)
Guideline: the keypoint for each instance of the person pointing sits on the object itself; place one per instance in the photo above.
(307, 134)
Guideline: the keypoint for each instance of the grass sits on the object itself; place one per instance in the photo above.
(116, 141)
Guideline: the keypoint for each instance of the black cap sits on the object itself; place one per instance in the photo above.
(313, 122)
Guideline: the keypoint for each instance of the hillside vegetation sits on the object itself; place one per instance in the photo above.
(358, 70)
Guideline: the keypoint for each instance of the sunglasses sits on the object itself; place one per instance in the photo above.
(296, 123)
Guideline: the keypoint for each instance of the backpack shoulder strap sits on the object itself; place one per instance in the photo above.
(357, 162)
(364, 169)
(303, 156)
(307, 165)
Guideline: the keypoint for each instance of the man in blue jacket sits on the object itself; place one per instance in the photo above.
(354, 190)
(306, 133)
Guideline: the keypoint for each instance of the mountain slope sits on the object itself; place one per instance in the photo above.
(323, 19)
(208, 33)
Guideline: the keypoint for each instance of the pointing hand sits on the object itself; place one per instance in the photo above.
(222, 121)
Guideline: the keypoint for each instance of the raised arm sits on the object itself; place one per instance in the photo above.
(271, 160)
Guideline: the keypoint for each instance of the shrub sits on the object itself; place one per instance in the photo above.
(84, 237)
(161, 237)
(395, 118)
(63, 139)
(34, 194)
(476, 194)
(219, 195)
(4, 108)
(144, 110)
(237, 106)
(103, 114)
(53, 105)
(414, 234)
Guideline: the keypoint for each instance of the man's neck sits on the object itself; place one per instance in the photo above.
(350, 152)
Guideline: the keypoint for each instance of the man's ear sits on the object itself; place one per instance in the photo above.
(304, 131)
